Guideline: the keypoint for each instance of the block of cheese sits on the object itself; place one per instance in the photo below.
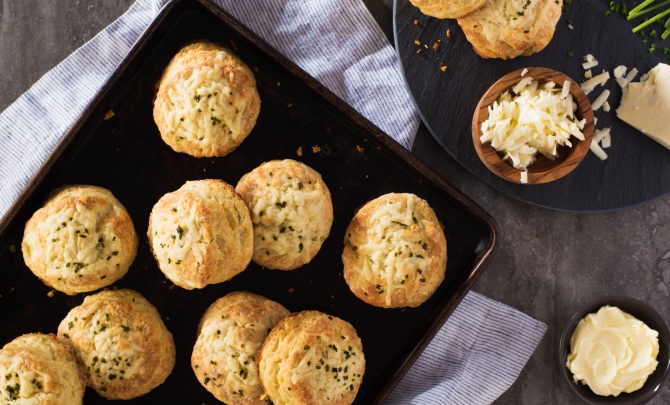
(646, 105)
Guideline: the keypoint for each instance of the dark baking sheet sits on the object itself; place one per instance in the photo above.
(126, 155)
(638, 168)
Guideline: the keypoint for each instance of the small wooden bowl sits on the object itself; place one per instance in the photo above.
(542, 170)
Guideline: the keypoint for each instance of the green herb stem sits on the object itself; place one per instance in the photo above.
(646, 10)
(640, 7)
(665, 33)
(651, 20)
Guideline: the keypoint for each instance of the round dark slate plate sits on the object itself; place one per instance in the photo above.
(638, 168)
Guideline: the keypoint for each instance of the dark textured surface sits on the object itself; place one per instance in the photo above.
(638, 168)
(126, 155)
(549, 264)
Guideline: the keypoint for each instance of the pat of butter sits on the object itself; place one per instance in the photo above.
(646, 105)
(613, 352)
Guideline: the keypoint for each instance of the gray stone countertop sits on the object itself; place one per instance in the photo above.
(549, 263)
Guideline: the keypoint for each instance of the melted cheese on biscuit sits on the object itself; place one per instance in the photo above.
(78, 242)
(176, 233)
(22, 385)
(393, 250)
(332, 368)
(112, 356)
(288, 218)
(233, 353)
(203, 108)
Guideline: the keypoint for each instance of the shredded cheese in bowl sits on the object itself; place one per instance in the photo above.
(537, 118)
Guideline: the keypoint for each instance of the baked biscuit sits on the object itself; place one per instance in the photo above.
(312, 358)
(230, 334)
(122, 341)
(201, 234)
(509, 28)
(81, 240)
(448, 8)
(207, 101)
(291, 210)
(395, 252)
(39, 369)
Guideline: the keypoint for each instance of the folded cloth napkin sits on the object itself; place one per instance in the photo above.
(482, 348)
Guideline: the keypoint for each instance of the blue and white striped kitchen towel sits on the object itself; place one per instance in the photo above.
(482, 348)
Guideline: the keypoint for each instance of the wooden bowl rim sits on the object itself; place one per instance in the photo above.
(564, 166)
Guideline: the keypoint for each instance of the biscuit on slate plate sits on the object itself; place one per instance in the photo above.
(201, 234)
(448, 8)
(230, 334)
(81, 240)
(207, 101)
(291, 210)
(395, 252)
(312, 358)
(122, 341)
(509, 28)
(40, 370)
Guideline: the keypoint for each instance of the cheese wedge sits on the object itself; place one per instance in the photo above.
(646, 105)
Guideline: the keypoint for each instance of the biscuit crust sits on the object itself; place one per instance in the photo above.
(448, 8)
(312, 358)
(201, 234)
(291, 210)
(39, 369)
(122, 341)
(230, 334)
(207, 102)
(81, 240)
(395, 252)
(509, 28)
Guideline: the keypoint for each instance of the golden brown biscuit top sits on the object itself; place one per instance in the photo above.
(290, 208)
(510, 28)
(448, 8)
(38, 369)
(231, 333)
(312, 358)
(394, 249)
(122, 341)
(81, 232)
(207, 96)
(198, 229)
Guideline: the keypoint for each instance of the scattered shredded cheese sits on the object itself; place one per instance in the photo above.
(524, 177)
(619, 71)
(589, 62)
(598, 151)
(524, 71)
(601, 135)
(533, 120)
(607, 141)
(591, 84)
(600, 100)
(588, 74)
(606, 106)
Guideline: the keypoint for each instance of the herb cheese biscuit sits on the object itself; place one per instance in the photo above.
(122, 341)
(312, 358)
(81, 240)
(291, 210)
(207, 101)
(395, 252)
(230, 334)
(448, 8)
(509, 28)
(201, 234)
(39, 369)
